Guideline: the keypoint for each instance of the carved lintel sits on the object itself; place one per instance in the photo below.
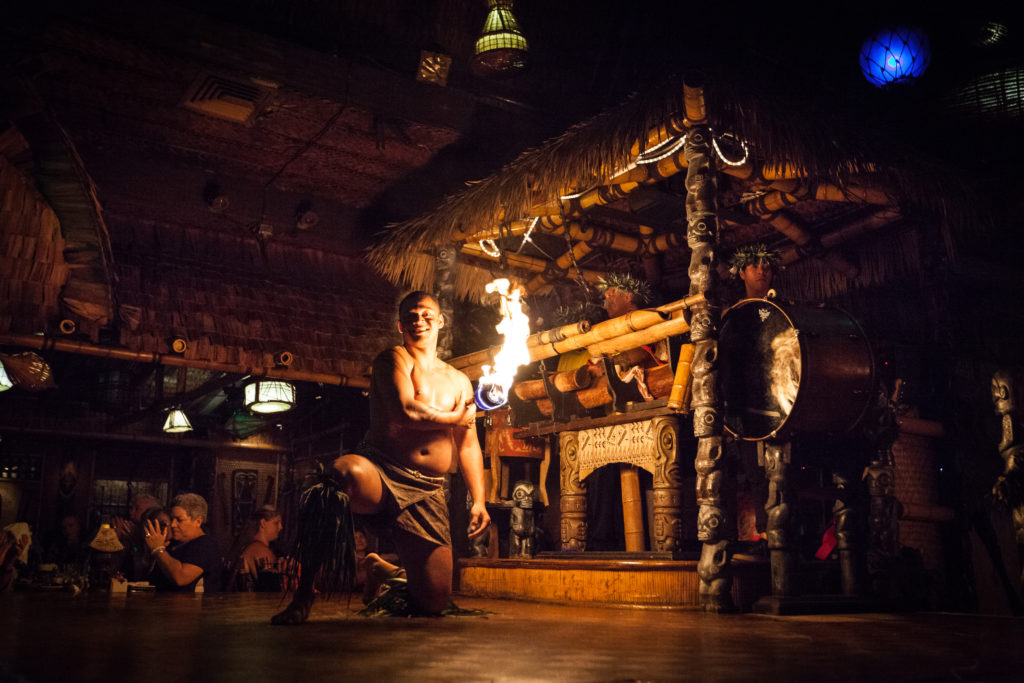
(633, 443)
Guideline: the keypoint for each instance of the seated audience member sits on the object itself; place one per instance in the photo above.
(129, 531)
(259, 569)
(194, 555)
(147, 561)
(15, 540)
(69, 547)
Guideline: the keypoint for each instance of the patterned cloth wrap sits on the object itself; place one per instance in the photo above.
(414, 502)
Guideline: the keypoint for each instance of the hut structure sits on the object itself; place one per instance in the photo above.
(666, 187)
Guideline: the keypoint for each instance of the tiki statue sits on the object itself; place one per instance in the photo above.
(520, 540)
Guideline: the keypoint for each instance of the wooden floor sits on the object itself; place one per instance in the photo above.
(152, 639)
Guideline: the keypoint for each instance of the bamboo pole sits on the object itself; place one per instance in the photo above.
(531, 390)
(801, 238)
(681, 385)
(82, 348)
(693, 101)
(523, 262)
(656, 136)
(829, 192)
(632, 513)
(649, 335)
(558, 333)
(570, 380)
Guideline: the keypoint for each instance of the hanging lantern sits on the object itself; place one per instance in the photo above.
(5, 381)
(501, 48)
(895, 56)
(266, 396)
(177, 422)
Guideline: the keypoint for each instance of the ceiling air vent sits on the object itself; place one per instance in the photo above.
(225, 98)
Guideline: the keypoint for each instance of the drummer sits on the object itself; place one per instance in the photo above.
(755, 264)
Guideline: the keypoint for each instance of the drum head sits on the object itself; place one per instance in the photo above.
(760, 367)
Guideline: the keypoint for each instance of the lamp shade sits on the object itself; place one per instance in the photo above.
(267, 396)
(177, 422)
(894, 56)
(501, 49)
(5, 381)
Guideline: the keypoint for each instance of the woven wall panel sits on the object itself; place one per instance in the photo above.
(32, 266)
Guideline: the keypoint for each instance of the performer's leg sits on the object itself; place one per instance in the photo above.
(377, 570)
(357, 477)
(429, 571)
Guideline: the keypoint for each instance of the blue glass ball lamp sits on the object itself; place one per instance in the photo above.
(895, 56)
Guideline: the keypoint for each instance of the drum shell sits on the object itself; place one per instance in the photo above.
(836, 363)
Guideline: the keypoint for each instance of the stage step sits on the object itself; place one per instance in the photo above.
(592, 579)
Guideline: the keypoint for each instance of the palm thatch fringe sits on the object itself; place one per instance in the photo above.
(779, 132)
(889, 257)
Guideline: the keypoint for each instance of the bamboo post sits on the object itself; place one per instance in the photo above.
(681, 384)
(632, 514)
(702, 238)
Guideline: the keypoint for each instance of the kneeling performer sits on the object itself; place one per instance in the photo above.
(422, 417)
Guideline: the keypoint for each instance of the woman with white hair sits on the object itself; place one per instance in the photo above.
(194, 558)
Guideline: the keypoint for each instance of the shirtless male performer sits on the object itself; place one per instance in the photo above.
(422, 420)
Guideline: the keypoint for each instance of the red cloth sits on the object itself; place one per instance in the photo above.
(828, 543)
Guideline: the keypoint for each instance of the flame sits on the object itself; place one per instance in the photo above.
(497, 380)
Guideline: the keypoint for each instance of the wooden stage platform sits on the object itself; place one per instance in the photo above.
(228, 637)
(633, 579)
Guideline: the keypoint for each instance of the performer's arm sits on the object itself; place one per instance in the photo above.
(400, 396)
(471, 462)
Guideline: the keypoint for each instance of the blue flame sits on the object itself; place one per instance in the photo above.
(490, 396)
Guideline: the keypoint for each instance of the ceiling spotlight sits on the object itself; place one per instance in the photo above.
(307, 220)
(177, 422)
(215, 198)
(305, 217)
(68, 326)
(178, 344)
(284, 358)
(269, 396)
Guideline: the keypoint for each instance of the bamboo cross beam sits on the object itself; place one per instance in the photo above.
(33, 341)
(880, 218)
(524, 262)
(803, 189)
(780, 199)
(795, 231)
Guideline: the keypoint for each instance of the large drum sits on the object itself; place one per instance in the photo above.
(786, 368)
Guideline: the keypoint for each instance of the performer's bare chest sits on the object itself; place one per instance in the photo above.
(436, 388)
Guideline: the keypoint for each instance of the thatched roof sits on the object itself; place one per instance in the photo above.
(804, 142)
